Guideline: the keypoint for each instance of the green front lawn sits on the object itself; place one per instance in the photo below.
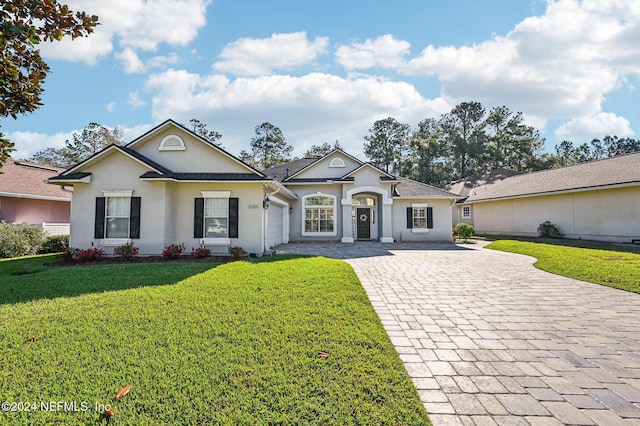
(199, 343)
(599, 263)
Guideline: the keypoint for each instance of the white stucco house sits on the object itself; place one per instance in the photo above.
(171, 186)
(597, 200)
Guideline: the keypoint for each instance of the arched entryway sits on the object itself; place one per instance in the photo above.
(375, 203)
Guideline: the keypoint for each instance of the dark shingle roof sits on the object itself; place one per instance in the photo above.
(282, 171)
(204, 176)
(68, 176)
(624, 169)
(465, 186)
(408, 188)
(146, 160)
(318, 180)
(20, 177)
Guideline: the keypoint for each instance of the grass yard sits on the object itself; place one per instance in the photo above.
(600, 263)
(199, 343)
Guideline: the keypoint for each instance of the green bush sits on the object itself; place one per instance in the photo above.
(20, 240)
(55, 244)
(126, 251)
(549, 230)
(464, 231)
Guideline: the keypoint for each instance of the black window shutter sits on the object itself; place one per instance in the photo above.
(134, 218)
(430, 217)
(99, 221)
(409, 217)
(233, 218)
(198, 218)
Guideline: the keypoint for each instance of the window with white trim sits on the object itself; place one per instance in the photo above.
(466, 212)
(117, 216)
(216, 217)
(420, 217)
(319, 212)
(216, 214)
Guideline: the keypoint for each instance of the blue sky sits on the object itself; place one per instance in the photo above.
(326, 71)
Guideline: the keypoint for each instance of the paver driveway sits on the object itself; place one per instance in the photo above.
(489, 339)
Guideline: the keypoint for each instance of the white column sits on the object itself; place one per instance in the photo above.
(387, 223)
(347, 231)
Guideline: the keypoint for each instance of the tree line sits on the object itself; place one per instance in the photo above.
(470, 140)
(467, 141)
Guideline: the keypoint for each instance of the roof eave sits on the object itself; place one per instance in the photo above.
(470, 200)
(62, 181)
(34, 196)
(173, 179)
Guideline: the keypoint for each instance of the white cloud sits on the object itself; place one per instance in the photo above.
(28, 143)
(111, 106)
(130, 133)
(325, 106)
(134, 24)
(557, 65)
(584, 129)
(253, 57)
(135, 101)
(132, 64)
(384, 51)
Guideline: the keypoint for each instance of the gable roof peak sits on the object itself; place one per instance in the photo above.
(170, 122)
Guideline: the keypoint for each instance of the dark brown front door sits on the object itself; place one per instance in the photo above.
(363, 217)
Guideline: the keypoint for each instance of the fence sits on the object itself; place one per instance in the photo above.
(56, 228)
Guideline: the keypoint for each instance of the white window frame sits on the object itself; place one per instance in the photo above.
(116, 193)
(419, 229)
(333, 208)
(466, 212)
(164, 144)
(215, 241)
(337, 162)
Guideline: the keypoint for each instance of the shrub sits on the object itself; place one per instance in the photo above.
(55, 244)
(20, 240)
(173, 251)
(464, 231)
(237, 253)
(549, 230)
(87, 255)
(126, 251)
(200, 252)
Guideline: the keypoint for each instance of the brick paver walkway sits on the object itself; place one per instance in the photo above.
(489, 339)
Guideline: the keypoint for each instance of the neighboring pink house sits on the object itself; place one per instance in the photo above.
(26, 198)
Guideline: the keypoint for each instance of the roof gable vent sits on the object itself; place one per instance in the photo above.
(172, 143)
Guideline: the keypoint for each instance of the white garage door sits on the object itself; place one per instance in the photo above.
(275, 225)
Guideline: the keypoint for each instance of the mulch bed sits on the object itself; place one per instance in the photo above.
(143, 259)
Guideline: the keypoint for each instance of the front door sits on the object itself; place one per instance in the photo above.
(363, 218)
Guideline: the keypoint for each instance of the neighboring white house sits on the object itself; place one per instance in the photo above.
(598, 200)
(171, 186)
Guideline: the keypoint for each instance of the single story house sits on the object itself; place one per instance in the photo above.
(172, 186)
(597, 200)
(25, 197)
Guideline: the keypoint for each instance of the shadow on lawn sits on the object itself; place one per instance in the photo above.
(31, 278)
